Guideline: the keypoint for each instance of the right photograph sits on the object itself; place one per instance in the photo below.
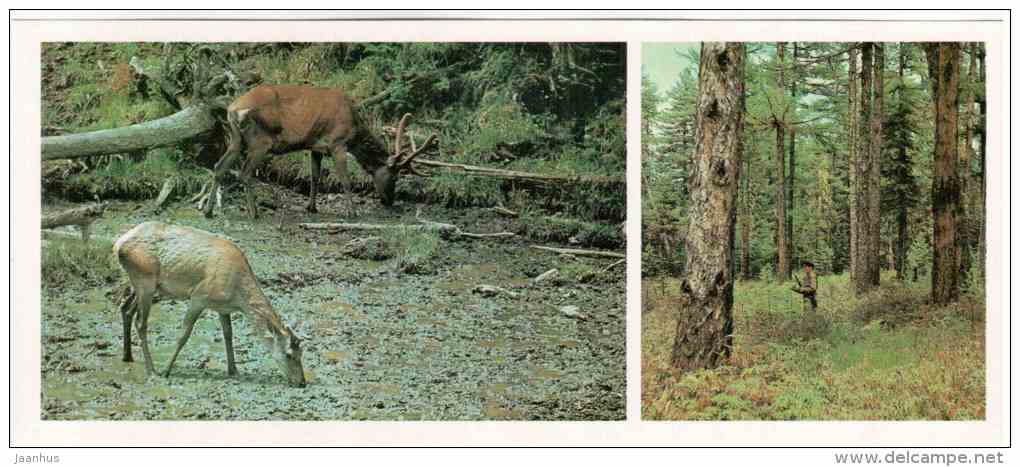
(813, 223)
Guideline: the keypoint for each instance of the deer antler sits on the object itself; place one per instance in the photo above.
(395, 160)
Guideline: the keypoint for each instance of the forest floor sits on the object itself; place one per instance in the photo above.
(886, 356)
(401, 338)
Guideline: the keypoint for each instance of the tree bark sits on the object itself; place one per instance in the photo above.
(704, 333)
(864, 246)
(944, 73)
(167, 131)
(782, 248)
(979, 50)
(852, 130)
(874, 168)
(969, 231)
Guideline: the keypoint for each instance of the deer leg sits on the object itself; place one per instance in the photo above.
(221, 168)
(127, 315)
(255, 158)
(228, 338)
(340, 167)
(316, 162)
(195, 309)
(144, 297)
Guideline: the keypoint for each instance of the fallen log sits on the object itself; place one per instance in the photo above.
(446, 229)
(577, 252)
(83, 217)
(167, 131)
(517, 175)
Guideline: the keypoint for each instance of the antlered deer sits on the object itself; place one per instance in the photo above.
(275, 120)
(210, 272)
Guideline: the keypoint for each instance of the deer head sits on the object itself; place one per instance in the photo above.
(285, 346)
(385, 178)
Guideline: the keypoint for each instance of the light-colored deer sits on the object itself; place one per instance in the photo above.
(209, 272)
(276, 120)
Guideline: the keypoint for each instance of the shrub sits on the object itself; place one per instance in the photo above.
(892, 305)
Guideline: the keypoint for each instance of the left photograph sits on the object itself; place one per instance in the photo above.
(333, 231)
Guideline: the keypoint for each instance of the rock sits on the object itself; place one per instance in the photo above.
(486, 290)
(572, 311)
(545, 276)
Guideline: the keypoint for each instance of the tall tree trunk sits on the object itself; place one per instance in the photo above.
(745, 231)
(860, 216)
(968, 231)
(944, 73)
(874, 166)
(791, 245)
(902, 228)
(853, 107)
(704, 332)
(778, 121)
(979, 50)
(865, 216)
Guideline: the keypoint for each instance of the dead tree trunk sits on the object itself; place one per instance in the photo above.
(705, 321)
(83, 217)
(944, 73)
(167, 131)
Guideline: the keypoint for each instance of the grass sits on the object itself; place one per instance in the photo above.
(72, 263)
(413, 250)
(886, 356)
(124, 178)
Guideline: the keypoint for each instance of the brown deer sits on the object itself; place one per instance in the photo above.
(209, 272)
(276, 120)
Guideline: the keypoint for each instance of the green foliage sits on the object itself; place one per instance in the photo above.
(413, 250)
(820, 207)
(72, 263)
(567, 230)
(124, 178)
(844, 362)
(549, 108)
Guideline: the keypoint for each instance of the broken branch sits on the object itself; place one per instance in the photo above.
(577, 252)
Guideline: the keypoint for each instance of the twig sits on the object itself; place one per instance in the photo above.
(611, 266)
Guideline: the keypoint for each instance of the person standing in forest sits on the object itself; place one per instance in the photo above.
(808, 287)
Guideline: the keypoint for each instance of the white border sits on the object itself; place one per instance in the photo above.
(28, 430)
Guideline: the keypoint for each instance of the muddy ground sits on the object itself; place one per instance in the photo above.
(383, 344)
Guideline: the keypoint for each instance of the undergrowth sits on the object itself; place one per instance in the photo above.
(886, 356)
(73, 263)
